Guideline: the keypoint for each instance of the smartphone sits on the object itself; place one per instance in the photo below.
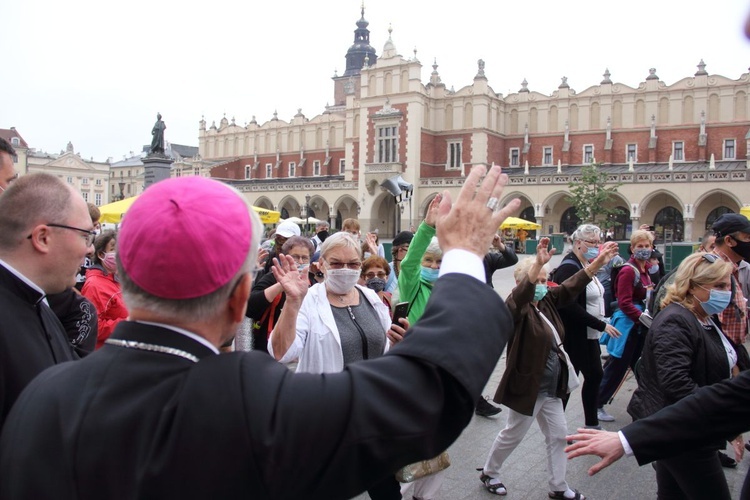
(652, 228)
(400, 311)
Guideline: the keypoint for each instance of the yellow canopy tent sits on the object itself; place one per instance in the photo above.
(745, 211)
(267, 216)
(516, 223)
(112, 212)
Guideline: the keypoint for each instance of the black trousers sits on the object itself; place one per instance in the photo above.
(616, 368)
(586, 356)
(387, 489)
(696, 474)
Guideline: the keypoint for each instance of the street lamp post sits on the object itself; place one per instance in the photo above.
(307, 212)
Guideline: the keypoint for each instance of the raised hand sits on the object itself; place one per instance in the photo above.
(473, 219)
(543, 253)
(432, 211)
(262, 256)
(371, 244)
(285, 271)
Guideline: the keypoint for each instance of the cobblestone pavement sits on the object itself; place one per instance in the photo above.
(525, 472)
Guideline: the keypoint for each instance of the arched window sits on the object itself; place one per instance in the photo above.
(569, 221)
(619, 223)
(715, 213)
(669, 225)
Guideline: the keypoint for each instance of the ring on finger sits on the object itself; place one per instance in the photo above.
(492, 203)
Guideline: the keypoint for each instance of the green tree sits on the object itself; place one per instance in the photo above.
(592, 195)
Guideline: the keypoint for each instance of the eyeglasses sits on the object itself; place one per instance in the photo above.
(370, 276)
(342, 265)
(300, 259)
(90, 235)
(402, 249)
(592, 243)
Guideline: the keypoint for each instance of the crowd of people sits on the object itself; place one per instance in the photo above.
(122, 379)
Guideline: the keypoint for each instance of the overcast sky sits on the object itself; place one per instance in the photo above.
(95, 72)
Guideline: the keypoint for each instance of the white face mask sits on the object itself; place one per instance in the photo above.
(341, 281)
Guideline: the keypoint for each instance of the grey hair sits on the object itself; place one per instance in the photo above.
(434, 247)
(31, 200)
(342, 239)
(522, 268)
(585, 231)
(199, 308)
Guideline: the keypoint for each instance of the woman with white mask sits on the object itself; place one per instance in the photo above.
(335, 322)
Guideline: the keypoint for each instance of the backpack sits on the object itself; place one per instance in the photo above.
(567, 260)
(616, 270)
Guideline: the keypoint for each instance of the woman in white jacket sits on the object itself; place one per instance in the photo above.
(333, 323)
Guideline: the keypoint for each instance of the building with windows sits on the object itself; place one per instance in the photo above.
(680, 151)
(89, 177)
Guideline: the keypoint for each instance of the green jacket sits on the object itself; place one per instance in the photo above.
(411, 287)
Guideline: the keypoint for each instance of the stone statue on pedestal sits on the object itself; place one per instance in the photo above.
(157, 142)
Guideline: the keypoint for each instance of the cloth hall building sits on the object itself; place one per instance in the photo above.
(390, 143)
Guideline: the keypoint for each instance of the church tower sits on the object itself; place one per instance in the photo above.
(360, 53)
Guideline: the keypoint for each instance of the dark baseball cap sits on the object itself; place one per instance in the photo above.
(731, 223)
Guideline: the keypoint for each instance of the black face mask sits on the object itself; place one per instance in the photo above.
(742, 248)
(323, 235)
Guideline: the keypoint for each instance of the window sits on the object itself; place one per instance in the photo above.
(292, 169)
(130, 173)
(248, 171)
(729, 149)
(269, 171)
(678, 151)
(15, 158)
(97, 199)
(515, 154)
(588, 153)
(85, 195)
(98, 182)
(454, 155)
(316, 167)
(547, 156)
(342, 166)
(85, 181)
(632, 153)
(128, 189)
(15, 141)
(387, 144)
(70, 180)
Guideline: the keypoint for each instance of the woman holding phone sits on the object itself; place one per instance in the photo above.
(333, 323)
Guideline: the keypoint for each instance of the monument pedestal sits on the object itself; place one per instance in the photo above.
(156, 168)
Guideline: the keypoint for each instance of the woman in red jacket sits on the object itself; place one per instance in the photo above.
(102, 287)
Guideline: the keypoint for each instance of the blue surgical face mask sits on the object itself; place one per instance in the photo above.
(592, 253)
(376, 284)
(653, 269)
(539, 292)
(718, 300)
(429, 274)
(642, 254)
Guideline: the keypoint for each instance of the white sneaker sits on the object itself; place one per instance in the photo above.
(603, 416)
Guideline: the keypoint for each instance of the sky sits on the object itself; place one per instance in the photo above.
(96, 73)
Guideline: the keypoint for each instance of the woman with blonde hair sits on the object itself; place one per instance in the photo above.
(685, 349)
(629, 288)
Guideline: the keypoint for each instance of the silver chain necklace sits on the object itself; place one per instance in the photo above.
(143, 346)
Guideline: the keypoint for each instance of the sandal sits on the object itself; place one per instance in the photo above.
(497, 488)
(561, 495)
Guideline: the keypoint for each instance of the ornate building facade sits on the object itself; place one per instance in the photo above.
(390, 143)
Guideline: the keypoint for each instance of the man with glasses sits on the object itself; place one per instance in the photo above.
(45, 233)
(7, 172)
